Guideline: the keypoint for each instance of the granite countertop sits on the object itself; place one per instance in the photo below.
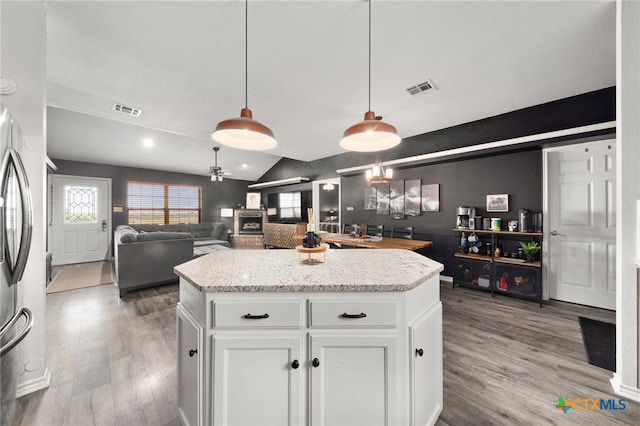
(280, 271)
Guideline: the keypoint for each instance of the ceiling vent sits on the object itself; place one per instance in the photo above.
(127, 109)
(421, 88)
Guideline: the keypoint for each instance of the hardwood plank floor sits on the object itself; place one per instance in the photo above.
(506, 361)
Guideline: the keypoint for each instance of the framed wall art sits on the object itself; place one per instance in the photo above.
(382, 198)
(498, 203)
(370, 198)
(430, 199)
(396, 199)
(253, 200)
(412, 197)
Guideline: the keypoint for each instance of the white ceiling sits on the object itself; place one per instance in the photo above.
(182, 63)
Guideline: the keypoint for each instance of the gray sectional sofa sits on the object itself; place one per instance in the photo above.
(145, 255)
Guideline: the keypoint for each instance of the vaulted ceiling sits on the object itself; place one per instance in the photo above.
(182, 64)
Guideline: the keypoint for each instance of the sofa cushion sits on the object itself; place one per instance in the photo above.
(201, 242)
(200, 230)
(174, 227)
(156, 236)
(219, 231)
(124, 227)
(128, 235)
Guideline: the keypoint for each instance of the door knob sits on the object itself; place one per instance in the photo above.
(192, 352)
(315, 362)
(295, 364)
(554, 232)
(419, 352)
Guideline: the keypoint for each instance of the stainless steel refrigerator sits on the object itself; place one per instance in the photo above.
(15, 239)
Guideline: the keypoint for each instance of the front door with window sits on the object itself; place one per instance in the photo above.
(80, 219)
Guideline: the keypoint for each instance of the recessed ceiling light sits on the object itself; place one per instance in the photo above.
(148, 142)
(245, 165)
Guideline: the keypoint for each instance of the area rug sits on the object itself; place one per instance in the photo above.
(599, 342)
(81, 275)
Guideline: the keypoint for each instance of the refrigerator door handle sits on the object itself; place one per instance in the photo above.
(12, 162)
(1, 230)
(21, 335)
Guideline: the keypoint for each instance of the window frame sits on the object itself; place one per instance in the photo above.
(167, 202)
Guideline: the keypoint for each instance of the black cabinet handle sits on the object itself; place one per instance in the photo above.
(192, 352)
(360, 315)
(419, 352)
(295, 364)
(315, 362)
(249, 316)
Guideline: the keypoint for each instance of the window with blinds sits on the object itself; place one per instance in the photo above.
(163, 203)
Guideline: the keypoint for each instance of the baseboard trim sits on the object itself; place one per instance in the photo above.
(446, 278)
(624, 390)
(34, 384)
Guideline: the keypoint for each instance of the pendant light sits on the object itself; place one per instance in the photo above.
(378, 174)
(370, 134)
(244, 132)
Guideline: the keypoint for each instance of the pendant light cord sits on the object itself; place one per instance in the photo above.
(246, 54)
(369, 55)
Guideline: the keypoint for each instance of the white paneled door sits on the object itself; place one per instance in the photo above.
(580, 223)
(80, 219)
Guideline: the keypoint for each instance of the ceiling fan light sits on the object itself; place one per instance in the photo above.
(370, 135)
(244, 133)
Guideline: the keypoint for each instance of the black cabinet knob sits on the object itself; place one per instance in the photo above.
(315, 362)
(419, 352)
(295, 364)
(192, 352)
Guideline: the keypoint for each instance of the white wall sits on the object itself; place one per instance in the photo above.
(23, 58)
(625, 380)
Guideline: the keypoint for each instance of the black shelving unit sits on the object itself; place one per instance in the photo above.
(503, 274)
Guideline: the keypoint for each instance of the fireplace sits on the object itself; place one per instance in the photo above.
(249, 222)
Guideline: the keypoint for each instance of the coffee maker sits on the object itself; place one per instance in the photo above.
(525, 221)
(462, 220)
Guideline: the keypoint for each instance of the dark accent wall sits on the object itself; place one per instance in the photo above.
(228, 193)
(465, 180)
(462, 183)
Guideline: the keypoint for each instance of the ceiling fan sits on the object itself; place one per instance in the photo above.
(216, 172)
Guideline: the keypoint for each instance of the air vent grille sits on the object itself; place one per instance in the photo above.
(421, 88)
(127, 109)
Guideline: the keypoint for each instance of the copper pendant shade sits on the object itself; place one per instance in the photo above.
(244, 132)
(370, 134)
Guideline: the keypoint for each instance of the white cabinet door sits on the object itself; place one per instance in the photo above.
(190, 372)
(353, 379)
(426, 367)
(257, 380)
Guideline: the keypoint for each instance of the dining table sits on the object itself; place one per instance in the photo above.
(370, 241)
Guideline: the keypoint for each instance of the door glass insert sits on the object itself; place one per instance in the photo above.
(80, 204)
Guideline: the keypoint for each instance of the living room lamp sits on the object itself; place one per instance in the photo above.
(371, 134)
(244, 132)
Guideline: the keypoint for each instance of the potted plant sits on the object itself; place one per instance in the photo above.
(530, 249)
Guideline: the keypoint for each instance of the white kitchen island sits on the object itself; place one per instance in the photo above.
(265, 340)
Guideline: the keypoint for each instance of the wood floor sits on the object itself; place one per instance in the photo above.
(506, 361)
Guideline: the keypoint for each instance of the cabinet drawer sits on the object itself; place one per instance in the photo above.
(373, 313)
(257, 314)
